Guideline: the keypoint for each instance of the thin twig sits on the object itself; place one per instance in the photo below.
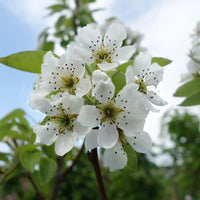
(8, 172)
(37, 191)
(93, 158)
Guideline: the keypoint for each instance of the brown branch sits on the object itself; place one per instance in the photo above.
(76, 10)
(8, 172)
(37, 191)
(93, 158)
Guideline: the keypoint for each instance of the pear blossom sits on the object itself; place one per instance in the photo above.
(123, 112)
(64, 75)
(104, 49)
(116, 158)
(146, 76)
(196, 35)
(62, 126)
(193, 71)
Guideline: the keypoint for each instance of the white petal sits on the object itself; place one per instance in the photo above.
(141, 62)
(130, 124)
(154, 75)
(89, 37)
(89, 116)
(98, 75)
(104, 91)
(105, 66)
(83, 87)
(114, 36)
(148, 104)
(141, 142)
(127, 98)
(47, 133)
(91, 139)
(49, 63)
(38, 101)
(193, 66)
(71, 103)
(65, 143)
(155, 99)
(115, 158)
(38, 140)
(35, 98)
(130, 76)
(123, 53)
(108, 135)
(79, 129)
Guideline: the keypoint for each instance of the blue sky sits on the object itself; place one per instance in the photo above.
(166, 25)
(15, 85)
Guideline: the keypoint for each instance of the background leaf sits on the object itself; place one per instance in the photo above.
(47, 170)
(30, 158)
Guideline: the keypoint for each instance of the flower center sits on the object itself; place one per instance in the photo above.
(64, 121)
(109, 111)
(142, 86)
(103, 54)
(69, 83)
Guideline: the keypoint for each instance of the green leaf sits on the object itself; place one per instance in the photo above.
(123, 67)
(132, 159)
(49, 150)
(119, 80)
(29, 61)
(30, 158)
(13, 114)
(4, 157)
(47, 170)
(161, 61)
(188, 88)
(57, 8)
(192, 100)
(28, 147)
(11, 134)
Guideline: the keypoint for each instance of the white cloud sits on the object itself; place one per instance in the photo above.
(31, 11)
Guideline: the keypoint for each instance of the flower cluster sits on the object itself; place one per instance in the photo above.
(194, 63)
(81, 97)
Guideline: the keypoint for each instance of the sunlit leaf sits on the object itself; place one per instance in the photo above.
(161, 61)
(123, 67)
(192, 100)
(119, 80)
(188, 88)
(29, 61)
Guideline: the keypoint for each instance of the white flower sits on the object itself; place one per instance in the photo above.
(62, 127)
(125, 112)
(196, 35)
(64, 75)
(116, 158)
(146, 76)
(193, 71)
(104, 49)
